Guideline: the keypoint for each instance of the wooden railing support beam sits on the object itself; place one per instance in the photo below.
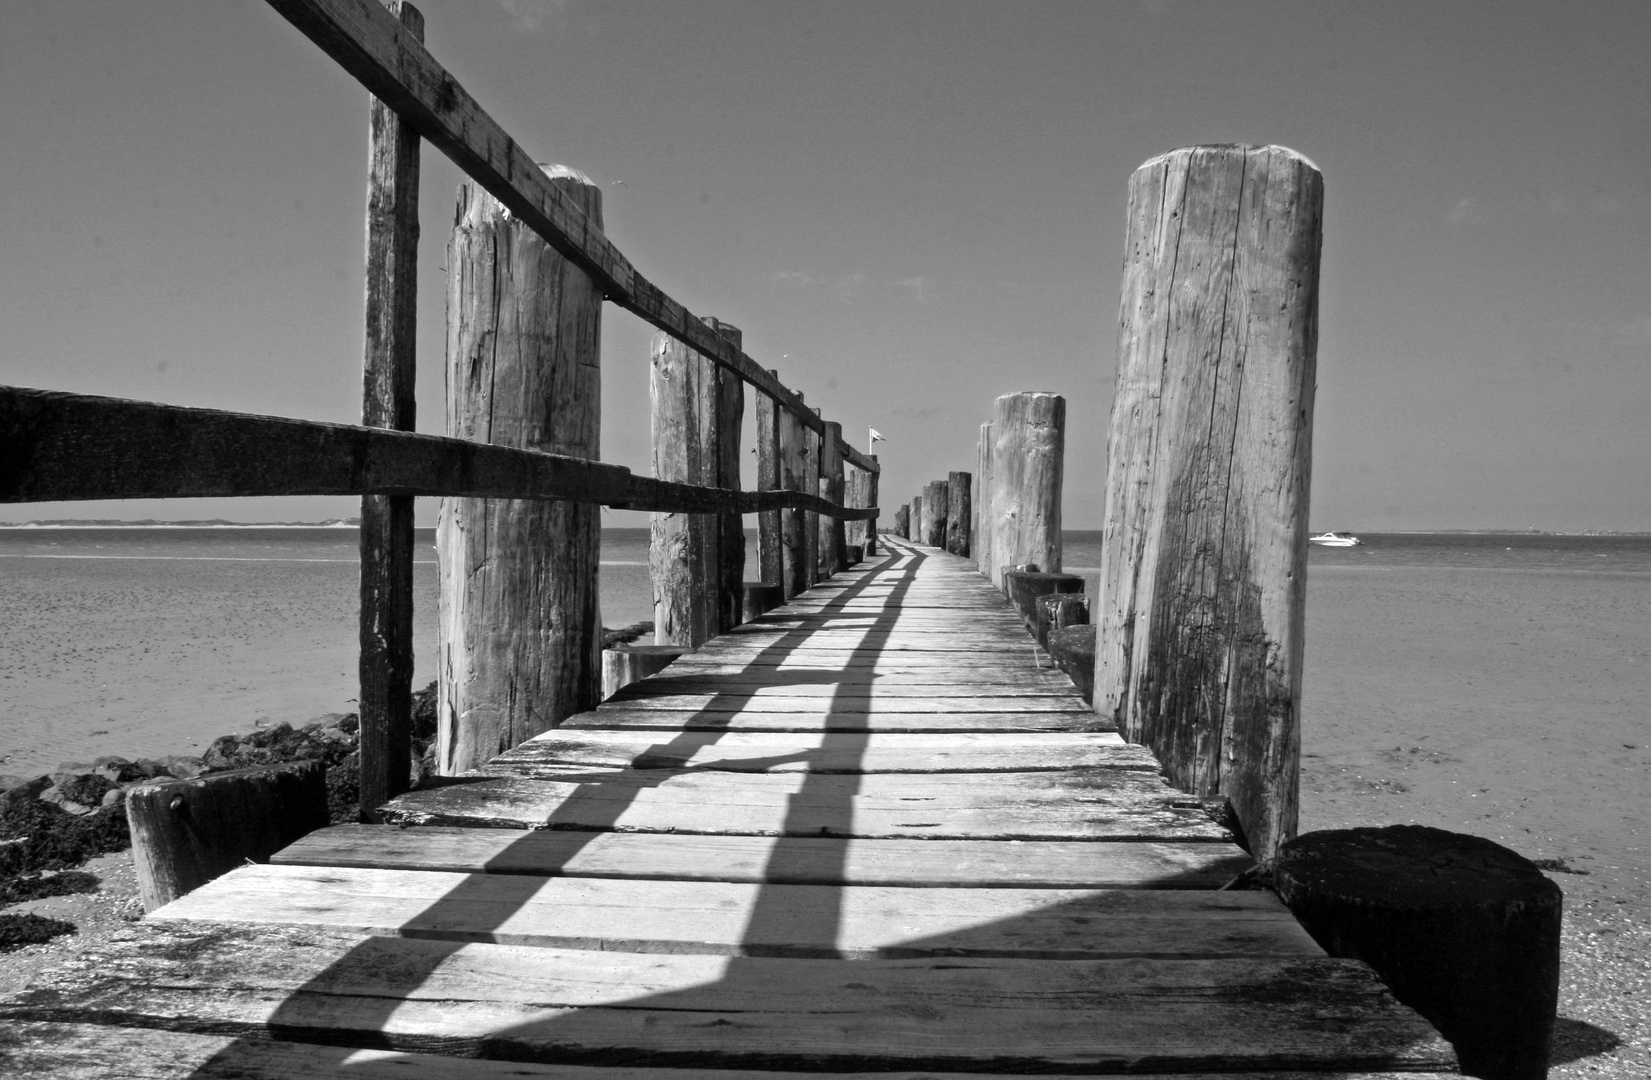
(729, 584)
(1203, 566)
(870, 493)
(520, 633)
(833, 553)
(385, 666)
(936, 506)
(770, 523)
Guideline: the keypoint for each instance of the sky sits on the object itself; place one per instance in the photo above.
(908, 208)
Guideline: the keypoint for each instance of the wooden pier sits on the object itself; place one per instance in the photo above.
(872, 832)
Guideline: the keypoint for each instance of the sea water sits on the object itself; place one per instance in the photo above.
(154, 640)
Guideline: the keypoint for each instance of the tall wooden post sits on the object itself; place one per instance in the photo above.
(958, 523)
(794, 476)
(936, 505)
(981, 540)
(385, 699)
(872, 479)
(902, 522)
(811, 484)
(693, 411)
(1204, 559)
(915, 532)
(833, 538)
(770, 527)
(729, 584)
(1029, 446)
(520, 632)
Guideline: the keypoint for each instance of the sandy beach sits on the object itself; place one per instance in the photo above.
(1510, 703)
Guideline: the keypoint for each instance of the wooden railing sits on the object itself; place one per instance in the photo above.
(59, 446)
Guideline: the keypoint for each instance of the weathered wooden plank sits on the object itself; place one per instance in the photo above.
(684, 550)
(577, 1007)
(31, 1050)
(56, 446)
(732, 919)
(1203, 573)
(802, 860)
(732, 700)
(837, 753)
(1101, 804)
(618, 717)
(839, 685)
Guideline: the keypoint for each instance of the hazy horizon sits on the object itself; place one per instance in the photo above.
(908, 208)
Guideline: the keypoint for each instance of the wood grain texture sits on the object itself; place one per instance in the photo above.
(728, 580)
(936, 509)
(1199, 629)
(794, 476)
(959, 511)
(583, 1006)
(1028, 465)
(981, 534)
(385, 663)
(833, 542)
(187, 832)
(871, 480)
(33, 1050)
(569, 750)
(979, 864)
(1110, 804)
(520, 632)
(742, 919)
(770, 530)
(809, 481)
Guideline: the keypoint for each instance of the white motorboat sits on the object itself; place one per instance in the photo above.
(1335, 539)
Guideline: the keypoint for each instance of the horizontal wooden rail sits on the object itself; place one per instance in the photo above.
(56, 446)
(372, 45)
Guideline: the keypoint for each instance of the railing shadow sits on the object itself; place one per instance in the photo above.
(591, 812)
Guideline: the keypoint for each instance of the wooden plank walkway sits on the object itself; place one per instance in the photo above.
(874, 833)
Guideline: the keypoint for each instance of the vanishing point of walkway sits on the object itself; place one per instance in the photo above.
(873, 832)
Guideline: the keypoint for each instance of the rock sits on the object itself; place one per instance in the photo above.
(182, 767)
(68, 770)
(149, 768)
(86, 789)
(221, 754)
(16, 789)
(351, 723)
(113, 796)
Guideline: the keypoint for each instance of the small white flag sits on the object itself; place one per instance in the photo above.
(877, 436)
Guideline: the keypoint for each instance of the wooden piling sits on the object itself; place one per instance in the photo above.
(793, 460)
(833, 542)
(520, 632)
(902, 522)
(1028, 451)
(916, 534)
(981, 538)
(770, 527)
(854, 494)
(385, 698)
(936, 498)
(693, 414)
(1203, 565)
(187, 832)
(958, 511)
